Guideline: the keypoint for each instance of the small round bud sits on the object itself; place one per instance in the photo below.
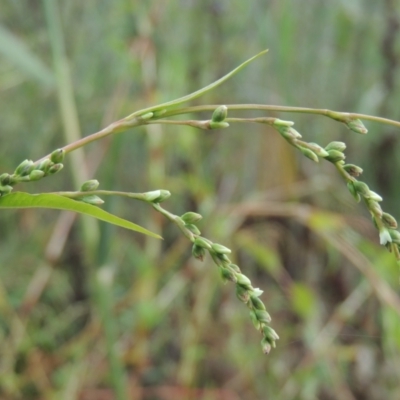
(317, 149)
(244, 281)
(5, 179)
(44, 165)
(353, 191)
(218, 248)
(92, 199)
(57, 156)
(389, 220)
(357, 126)
(88, 186)
(361, 188)
(263, 316)
(201, 242)
(24, 168)
(227, 274)
(36, 175)
(191, 217)
(198, 252)
(193, 228)
(353, 170)
(309, 154)
(219, 114)
(242, 293)
(218, 125)
(146, 116)
(55, 168)
(338, 146)
(164, 195)
(257, 303)
(335, 156)
(5, 190)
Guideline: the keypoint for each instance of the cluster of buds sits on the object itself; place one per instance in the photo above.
(28, 171)
(245, 292)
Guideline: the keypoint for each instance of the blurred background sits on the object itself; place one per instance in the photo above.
(90, 311)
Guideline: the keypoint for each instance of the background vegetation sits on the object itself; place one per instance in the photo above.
(90, 311)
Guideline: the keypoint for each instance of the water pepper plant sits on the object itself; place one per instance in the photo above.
(88, 199)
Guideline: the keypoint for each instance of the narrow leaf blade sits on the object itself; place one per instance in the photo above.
(53, 201)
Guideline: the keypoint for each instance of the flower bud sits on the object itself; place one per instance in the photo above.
(254, 320)
(361, 188)
(353, 191)
(218, 248)
(335, 156)
(191, 217)
(269, 333)
(5, 179)
(36, 175)
(309, 154)
(317, 149)
(44, 165)
(218, 125)
(227, 274)
(202, 242)
(374, 207)
(338, 146)
(24, 168)
(235, 268)
(257, 303)
(57, 156)
(198, 252)
(92, 199)
(374, 196)
(146, 116)
(244, 281)
(55, 168)
(242, 294)
(263, 316)
(164, 195)
(89, 186)
(193, 228)
(389, 220)
(5, 190)
(151, 196)
(266, 346)
(356, 125)
(394, 235)
(219, 114)
(353, 170)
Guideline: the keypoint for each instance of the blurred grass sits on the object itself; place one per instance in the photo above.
(179, 333)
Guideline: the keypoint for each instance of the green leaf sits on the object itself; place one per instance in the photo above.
(26, 200)
(198, 93)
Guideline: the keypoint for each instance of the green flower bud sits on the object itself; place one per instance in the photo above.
(5, 190)
(164, 195)
(151, 196)
(191, 217)
(244, 281)
(374, 207)
(92, 199)
(89, 186)
(374, 196)
(198, 252)
(55, 168)
(263, 316)
(335, 156)
(269, 333)
(218, 125)
(36, 175)
(266, 346)
(219, 114)
(242, 294)
(44, 165)
(353, 191)
(202, 242)
(227, 274)
(361, 188)
(357, 126)
(257, 303)
(394, 235)
(193, 228)
(389, 221)
(353, 170)
(317, 149)
(254, 320)
(235, 268)
(24, 168)
(57, 156)
(279, 122)
(338, 146)
(5, 179)
(146, 116)
(218, 248)
(309, 154)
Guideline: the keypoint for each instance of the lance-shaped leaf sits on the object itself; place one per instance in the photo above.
(27, 200)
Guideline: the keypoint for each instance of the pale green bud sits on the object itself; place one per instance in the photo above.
(5, 179)
(146, 116)
(24, 168)
(374, 207)
(55, 168)
(218, 248)
(338, 146)
(356, 125)
(218, 125)
(257, 303)
(335, 156)
(244, 281)
(151, 196)
(353, 191)
(5, 190)
(36, 175)
(266, 346)
(89, 186)
(92, 199)
(191, 217)
(242, 294)
(394, 235)
(57, 156)
(193, 228)
(202, 242)
(198, 252)
(353, 170)
(317, 149)
(44, 165)
(255, 320)
(374, 196)
(361, 188)
(269, 333)
(389, 220)
(227, 274)
(263, 316)
(309, 154)
(219, 114)
(164, 195)
(235, 268)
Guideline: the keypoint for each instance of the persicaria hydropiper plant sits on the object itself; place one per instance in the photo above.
(88, 198)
